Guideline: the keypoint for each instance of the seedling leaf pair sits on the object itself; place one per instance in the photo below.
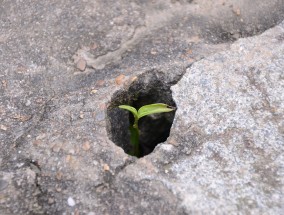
(143, 111)
(147, 109)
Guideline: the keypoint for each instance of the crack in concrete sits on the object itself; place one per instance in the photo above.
(35, 167)
(39, 192)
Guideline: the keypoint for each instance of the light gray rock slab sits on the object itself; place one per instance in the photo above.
(231, 105)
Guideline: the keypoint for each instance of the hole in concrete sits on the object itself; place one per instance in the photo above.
(150, 87)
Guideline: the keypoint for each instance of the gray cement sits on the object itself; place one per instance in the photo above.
(64, 67)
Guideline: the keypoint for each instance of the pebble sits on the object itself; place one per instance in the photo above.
(81, 115)
(134, 78)
(81, 64)
(106, 167)
(3, 127)
(71, 202)
(28, 103)
(68, 158)
(4, 83)
(153, 52)
(56, 147)
(119, 79)
(237, 11)
(94, 91)
(50, 201)
(22, 118)
(86, 146)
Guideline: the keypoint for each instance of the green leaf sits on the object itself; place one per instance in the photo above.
(154, 108)
(129, 108)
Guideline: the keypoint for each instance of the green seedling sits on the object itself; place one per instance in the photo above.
(143, 111)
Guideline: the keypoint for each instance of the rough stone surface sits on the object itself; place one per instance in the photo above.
(63, 61)
(231, 105)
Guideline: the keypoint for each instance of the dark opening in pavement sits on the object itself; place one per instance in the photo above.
(150, 87)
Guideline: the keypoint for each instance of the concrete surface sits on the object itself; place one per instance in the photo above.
(66, 64)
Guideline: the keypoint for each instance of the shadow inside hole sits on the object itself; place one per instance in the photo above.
(151, 87)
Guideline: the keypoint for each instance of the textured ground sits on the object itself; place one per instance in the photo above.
(65, 64)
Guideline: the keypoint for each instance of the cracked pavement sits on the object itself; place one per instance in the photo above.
(62, 63)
